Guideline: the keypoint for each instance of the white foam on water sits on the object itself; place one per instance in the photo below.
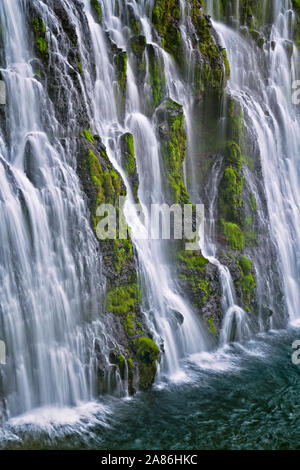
(57, 420)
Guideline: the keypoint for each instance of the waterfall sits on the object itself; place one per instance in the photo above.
(53, 288)
(162, 300)
(262, 81)
(50, 278)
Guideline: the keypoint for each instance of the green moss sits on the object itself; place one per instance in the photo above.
(192, 272)
(173, 152)
(138, 45)
(211, 326)
(233, 155)
(97, 9)
(165, 18)
(135, 25)
(128, 153)
(129, 324)
(235, 223)
(88, 136)
(205, 289)
(41, 45)
(39, 30)
(79, 65)
(226, 63)
(210, 74)
(147, 354)
(119, 361)
(122, 253)
(193, 260)
(120, 62)
(246, 265)
(234, 235)
(121, 364)
(253, 203)
(157, 78)
(248, 286)
(38, 25)
(230, 195)
(296, 7)
(247, 282)
(130, 376)
(106, 183)
(123, 299)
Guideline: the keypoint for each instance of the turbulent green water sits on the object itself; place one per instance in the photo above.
(245, 397)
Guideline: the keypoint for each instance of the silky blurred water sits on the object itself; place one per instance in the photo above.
(242, 397)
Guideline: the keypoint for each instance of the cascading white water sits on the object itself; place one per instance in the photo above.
(235, 325)
(262, 82)
(51, 286)
(50, 279)
(162, 301)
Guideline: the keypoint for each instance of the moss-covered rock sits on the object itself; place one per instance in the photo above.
(236, 206)
(103, 185)
(157, 80)
(119, 58)
(129, 162)
(39, 31)
(96, 8)
(166, 20)
(296, 6)
(123, 299)
(173, 137)
(148, 354)
(213, 67)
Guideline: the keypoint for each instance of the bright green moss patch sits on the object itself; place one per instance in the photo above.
(156, 76)
(253, 203)
(211, 326)
(246, 265)
(88, 136)
(234, 235)
(209, 75)
(80, 69)
(138, 45)
(106, 183)
(165, 18)
(41, 45)
(226, 63)
(205, 290)
(97, 9)
(38, 25)
(147, 354)
(122, 253)
(174, 149)
(121, 364)
(248, 286)
(230, 196)
(119, 361)
(231, 186)
(127, 143)
(247, 282)
(296, 7)
(193, 260)
(129, 324)
(39, 30)
(120, 62)
(233, 155)
(123, 299)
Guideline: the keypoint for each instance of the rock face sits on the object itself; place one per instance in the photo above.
(135, 354)
(222, 161)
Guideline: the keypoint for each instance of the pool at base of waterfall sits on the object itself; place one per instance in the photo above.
(244, 396)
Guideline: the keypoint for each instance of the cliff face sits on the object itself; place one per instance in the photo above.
(225, 159)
